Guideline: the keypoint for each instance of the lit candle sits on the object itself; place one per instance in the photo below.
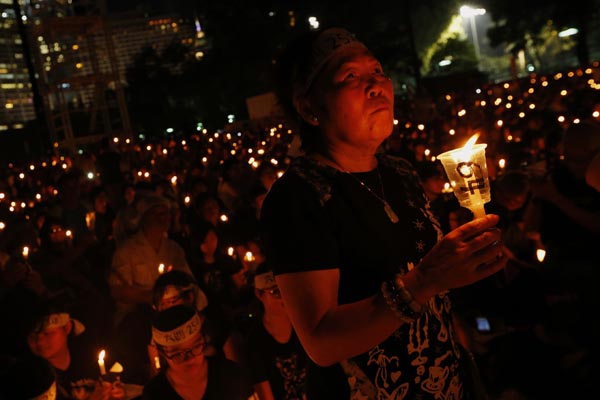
(156, 362)
(467, 166)
(25, 252)
(90, 220)
(540, 254)
(101, 362)
(161, 268)
(249, 257)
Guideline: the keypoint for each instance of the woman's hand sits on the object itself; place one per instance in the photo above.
(466, 255)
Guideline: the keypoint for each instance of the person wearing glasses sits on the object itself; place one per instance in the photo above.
(276, 360)
(177, 287)
(186, 371)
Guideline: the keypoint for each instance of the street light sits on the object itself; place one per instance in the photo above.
(471, 13)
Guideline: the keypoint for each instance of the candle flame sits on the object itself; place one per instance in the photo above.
(541, 254)
(467, 149)
(101, 355)
(161, 268)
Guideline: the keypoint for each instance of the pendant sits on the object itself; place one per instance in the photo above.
(390, 213)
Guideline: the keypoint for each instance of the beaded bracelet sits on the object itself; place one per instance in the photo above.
(400, 300)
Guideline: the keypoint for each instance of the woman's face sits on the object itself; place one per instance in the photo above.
(353, 100)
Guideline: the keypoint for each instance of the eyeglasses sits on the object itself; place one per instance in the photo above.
(274, 291)
(182, 356)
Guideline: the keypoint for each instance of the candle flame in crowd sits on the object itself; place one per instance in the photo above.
(101, 362)
(467, 150)
(161, 268)
(540, 254)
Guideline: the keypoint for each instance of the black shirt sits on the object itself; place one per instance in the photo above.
(316, 217)
(282, 364)
(226, 381)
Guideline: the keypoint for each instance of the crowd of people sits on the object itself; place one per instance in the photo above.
(149, 268)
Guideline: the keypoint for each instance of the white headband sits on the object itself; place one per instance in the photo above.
(61, 319)
(179, 334)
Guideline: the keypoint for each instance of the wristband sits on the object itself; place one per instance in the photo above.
(400, 300)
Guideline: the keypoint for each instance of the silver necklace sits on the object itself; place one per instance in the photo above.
(386, 206)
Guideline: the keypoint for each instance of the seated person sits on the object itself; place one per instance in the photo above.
(188, 373)
(57, 338)
(176, 287)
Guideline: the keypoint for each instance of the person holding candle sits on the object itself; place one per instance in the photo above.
(360, 261)
(135, 263)
(134, 270)
(56, 337)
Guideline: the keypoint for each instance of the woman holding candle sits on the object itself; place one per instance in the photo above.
(361, 264)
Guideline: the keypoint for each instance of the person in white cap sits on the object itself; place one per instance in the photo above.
(136, 265)
(55, 337)
(140, 260)
(360, 261)
(188, 373)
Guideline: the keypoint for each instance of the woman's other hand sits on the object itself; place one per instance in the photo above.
(465, 255)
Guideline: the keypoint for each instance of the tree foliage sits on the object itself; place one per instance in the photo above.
(518, 23)
(458, 51)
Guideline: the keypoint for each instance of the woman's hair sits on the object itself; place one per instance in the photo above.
(291, 70)
(179, 279)
(297, 68)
